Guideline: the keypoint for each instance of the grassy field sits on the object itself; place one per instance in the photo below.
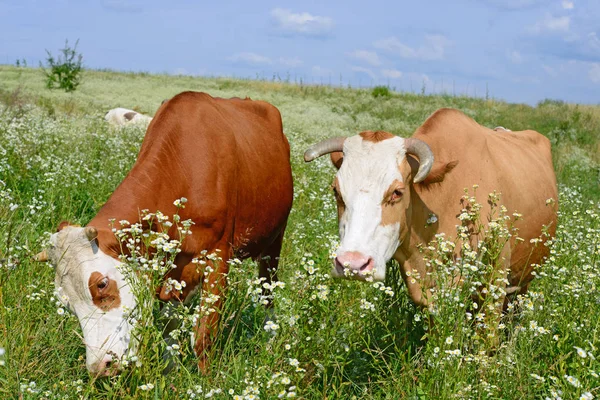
(331, 339)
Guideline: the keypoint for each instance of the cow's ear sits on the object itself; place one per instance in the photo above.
(129, 115)
(64, 224)
(438, 171)
(337, 158)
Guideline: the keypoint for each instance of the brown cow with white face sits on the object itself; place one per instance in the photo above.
(231, 160)
(385, 196)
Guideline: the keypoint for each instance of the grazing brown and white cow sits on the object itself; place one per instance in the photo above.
(118, 117)
(385, 197)
(231, 160)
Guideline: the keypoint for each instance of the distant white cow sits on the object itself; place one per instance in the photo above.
(501, 128)
(118, 117)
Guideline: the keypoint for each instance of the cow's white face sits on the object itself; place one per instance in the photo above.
(372, 198)
(90, 285)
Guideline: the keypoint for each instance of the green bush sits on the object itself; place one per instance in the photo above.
(551, 102)
(381, 91)
(64, 71)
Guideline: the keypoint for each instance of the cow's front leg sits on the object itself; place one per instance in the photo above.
(213, 287)
(167, 312)
(268, 261)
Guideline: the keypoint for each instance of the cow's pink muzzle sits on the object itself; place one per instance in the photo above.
(356, 262)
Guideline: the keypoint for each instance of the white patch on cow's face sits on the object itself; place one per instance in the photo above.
(106, 329)
(368, 171)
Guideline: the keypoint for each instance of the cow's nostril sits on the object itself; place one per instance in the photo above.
(367, 266)
(339, 264)
(339, 267)
(109, 368)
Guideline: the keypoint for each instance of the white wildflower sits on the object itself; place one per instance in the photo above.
(294, 362)
(580, 352)
(572, 380)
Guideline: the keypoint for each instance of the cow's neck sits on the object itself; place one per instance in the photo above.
(120, 206)
(135, 193)
(418, 232)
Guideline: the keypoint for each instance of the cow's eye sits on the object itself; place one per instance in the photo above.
(102, 284)
(396, 195)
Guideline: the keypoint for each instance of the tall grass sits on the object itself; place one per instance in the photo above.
(326, 338)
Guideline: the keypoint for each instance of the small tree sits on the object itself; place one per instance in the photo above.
(64, 71)
(381, 91)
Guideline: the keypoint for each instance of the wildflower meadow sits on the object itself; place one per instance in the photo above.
(323, 338)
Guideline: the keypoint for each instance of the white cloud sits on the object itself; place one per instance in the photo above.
(301, 23)
(364, 70)
(558, 23)
(514, 56)
(391, 73)
(594, 73)
(370, 57)
(250, 58)
(290, 62)
(434, 47)
(568, 5)
(552, 24)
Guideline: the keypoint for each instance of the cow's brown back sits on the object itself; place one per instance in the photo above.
(228, 157)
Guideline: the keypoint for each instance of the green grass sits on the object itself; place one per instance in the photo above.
(59, 161)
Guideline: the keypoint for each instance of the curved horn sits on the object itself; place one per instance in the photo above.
(41, 256)
(420, 149)
(324, 147)
(91, 232)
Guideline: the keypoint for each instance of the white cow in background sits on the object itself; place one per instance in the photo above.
(118, 117)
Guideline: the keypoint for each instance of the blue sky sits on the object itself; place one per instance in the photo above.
(521, 50)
